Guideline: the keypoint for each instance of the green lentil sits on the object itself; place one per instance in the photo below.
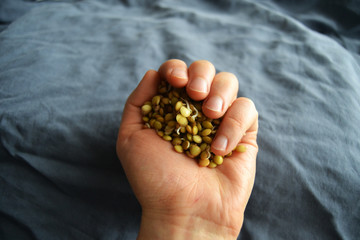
(203, 146)
(204, 162)
(165, 100)
(218, 159)
(198, 125)
(156, 100)
(205, 132)
(169, 117)
(189, 137)
(178, 148)
(189, 154)
(182, 130)
(240, 148)
(185, 145)
(145, 119)
(174, 100)
(146, 109)
(181, 120)
(212, 165)
(197, 139)
(185, 111)
(178, 119)
(171, 123)
(178, 106)
(157, 125)
(195, 150)
(191, 119)
(207, 139)
(195, 130)
(188, 129)
(207, 124)
(205, 155)
(176, 141)
(162, 90)
(160, 119)
(167, 137)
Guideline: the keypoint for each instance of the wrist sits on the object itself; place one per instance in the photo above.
(160, 226)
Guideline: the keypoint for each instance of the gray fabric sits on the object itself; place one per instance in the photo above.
(67, 68)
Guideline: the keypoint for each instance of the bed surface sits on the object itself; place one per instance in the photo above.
(67, 68)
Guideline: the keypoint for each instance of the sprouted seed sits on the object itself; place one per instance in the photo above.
(179, 120)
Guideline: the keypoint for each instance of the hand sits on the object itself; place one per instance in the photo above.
(179, 199)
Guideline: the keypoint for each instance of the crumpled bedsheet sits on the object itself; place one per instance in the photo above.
(67, 68)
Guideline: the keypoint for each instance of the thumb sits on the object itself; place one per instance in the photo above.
(146, 89)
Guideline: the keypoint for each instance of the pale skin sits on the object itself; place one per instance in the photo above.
(179, 199)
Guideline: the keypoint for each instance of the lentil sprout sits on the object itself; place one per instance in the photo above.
(179, 120)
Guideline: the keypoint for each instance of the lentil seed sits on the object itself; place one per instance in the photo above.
(207, 124)
(203, 146)
(189, 137)
(176, 94)
(195, 150)
(197, 139)
(195, 130)
(157, 125)
(218, 159)
(171, 124)
(185, 145)
(212, 165)
(207, 139)
(176, 141)
(179, 120)
(189, 154)
(174, 100)
(182, 130)
(185, 111)
(188, 128)
(205, 155)
(199, 126)
(178, 106)
(240, 148)
(165, 100)
(169, 117)
(204, 162)
(145, 109)
(178, 148)
(205, 132)
(156, 100)
(167, 137)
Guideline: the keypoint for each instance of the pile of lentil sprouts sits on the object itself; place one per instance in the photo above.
(179, 120)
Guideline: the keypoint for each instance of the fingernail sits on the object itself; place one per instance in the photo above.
(214, 103)
(220, 143)
(179, 73)
(198, 85)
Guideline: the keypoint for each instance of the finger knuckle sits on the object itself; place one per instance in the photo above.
(247, 102)
(203, 64)
(234, 122)
(227, 75)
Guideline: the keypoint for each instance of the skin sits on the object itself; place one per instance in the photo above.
(179, 199)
